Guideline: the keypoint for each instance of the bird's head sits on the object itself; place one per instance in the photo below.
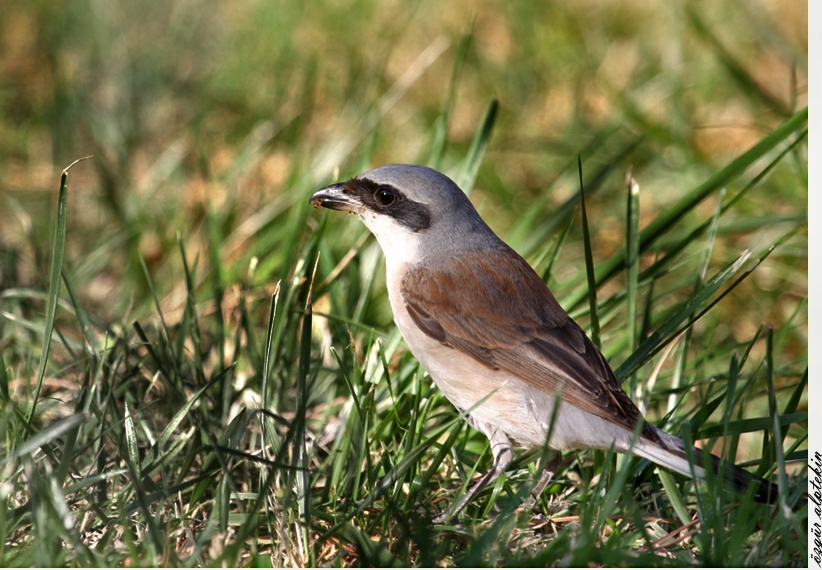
(414, 211)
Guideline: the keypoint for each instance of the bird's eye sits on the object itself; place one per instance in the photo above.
(385, 197)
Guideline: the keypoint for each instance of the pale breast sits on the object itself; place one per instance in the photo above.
(498, 398)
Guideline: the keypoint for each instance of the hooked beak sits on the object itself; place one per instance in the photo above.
(335, 198)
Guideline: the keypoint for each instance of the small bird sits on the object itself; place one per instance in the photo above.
(492, 336)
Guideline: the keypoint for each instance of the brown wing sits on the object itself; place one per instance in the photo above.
(492, 306)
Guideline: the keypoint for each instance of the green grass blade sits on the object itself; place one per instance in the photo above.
(218, 293)
(796, 395)
(617, 484)
(559, 242)
(163, 327)
(751, 425)
(476, 151)
(776, 439)
(193, 328)
(267, 361)
(743, 78)
(421, 482)
(673, 250)
(589, 262)
(632, 269)
(711, 226)
(397, 472)
(667, 219)
(57, 252)
(178, 418)
(82, 316)
(732, 440)
(373, 553)
(536, 236)
(4, 380)
(674, 496)
(438, 144)
(46, 435)
(660, 337)
(132, 446)
(165, 365)
(300, 451)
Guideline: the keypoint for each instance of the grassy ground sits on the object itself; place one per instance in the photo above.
(197, 368)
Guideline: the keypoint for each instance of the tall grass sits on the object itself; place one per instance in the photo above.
(200, 370)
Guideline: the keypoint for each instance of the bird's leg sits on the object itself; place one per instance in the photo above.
(550, 467)
(503, 455)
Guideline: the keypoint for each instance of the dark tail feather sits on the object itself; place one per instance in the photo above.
(766, 492)
(669, 452)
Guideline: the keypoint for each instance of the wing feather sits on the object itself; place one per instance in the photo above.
(492, 306)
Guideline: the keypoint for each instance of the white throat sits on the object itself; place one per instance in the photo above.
(400, 245)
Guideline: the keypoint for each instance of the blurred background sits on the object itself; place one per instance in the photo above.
(215, 121)
(239, 109)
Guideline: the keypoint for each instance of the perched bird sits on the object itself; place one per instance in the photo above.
(492, 336)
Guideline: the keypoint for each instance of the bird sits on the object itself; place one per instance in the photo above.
(492, 336)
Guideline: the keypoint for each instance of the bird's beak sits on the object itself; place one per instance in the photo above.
(335, 198)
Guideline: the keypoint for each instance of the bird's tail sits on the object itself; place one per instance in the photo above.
(670, 453)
